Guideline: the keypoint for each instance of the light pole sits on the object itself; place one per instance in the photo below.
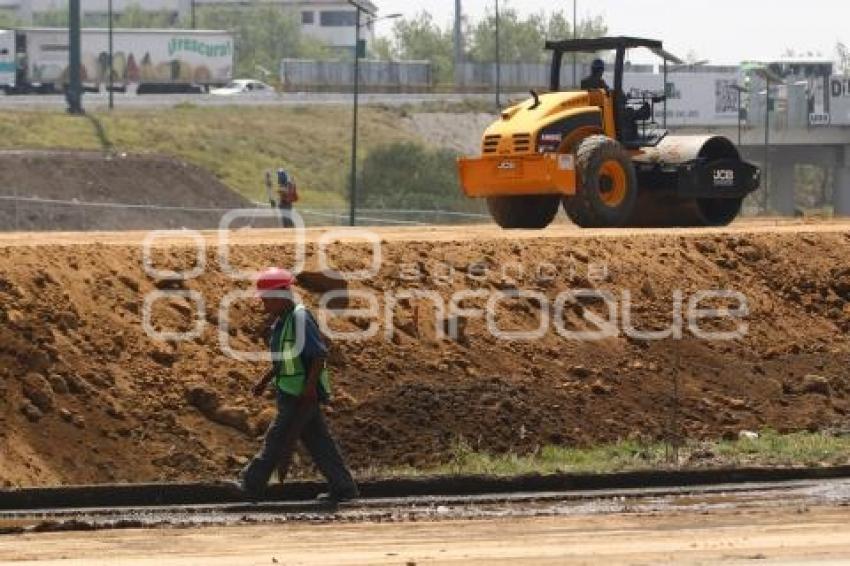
(192, 10)
(769, 77)
(575, 36)
(352, 211)
(74, 91)
(766, 142)
(498, 63)
(109, 82)
(740, 90)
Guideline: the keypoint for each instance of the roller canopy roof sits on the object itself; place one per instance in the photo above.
(609, 43)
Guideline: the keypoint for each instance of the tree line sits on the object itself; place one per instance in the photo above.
(521, 38)
(265, 34)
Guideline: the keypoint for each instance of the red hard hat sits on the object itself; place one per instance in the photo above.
(274, 279)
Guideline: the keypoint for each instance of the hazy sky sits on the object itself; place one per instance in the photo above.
(724, 31)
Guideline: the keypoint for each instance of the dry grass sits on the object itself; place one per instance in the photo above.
(769, 449)
(236, 143)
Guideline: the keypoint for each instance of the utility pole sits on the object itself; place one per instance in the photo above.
(352, 212)
(458, 43)
(74, 92)
(109, 82)
(498, 63)
(192, 5)
(575, 36)
(766, 143)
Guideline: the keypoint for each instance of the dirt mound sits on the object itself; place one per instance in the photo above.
(88, 396)
(40, 190)
(460, 132)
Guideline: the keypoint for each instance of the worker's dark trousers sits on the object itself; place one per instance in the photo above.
(316, 438)
(286, 215)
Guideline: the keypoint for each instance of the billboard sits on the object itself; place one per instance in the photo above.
(693, 99)
(140, 56)
(815, 76)
(839, 100)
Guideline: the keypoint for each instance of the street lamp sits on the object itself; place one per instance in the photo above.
(575, 36)
(352, 215)
(109, 82)
(74, 91)
(769, 77)
(498, 63)
(740, 90)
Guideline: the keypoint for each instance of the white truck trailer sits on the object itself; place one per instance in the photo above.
(157, 60)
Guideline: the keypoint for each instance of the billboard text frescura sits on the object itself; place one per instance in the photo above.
(201, 47)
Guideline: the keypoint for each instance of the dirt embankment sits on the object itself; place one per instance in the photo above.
(87, 396)
(62, 180)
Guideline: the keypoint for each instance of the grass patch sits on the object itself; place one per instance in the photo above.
(236, 143)
(770, 449)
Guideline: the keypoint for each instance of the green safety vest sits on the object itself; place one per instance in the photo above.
(291, 373)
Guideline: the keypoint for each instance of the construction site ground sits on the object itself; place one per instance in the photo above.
(89, 397)
(785, 526)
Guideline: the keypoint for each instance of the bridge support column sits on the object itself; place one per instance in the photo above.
(783, 185)
(841, 187)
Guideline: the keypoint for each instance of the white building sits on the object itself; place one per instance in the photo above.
(331, 21)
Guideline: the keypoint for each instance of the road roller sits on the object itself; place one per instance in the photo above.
(602, 156)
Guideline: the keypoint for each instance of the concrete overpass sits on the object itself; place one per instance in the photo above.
(825, 147)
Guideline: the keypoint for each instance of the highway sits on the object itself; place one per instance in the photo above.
(99, 101)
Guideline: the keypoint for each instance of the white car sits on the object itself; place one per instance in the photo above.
(245, 87)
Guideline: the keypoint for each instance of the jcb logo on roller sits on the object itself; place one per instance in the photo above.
(724, 177)
(507, 166)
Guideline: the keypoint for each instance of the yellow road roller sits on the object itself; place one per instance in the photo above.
(603, 156)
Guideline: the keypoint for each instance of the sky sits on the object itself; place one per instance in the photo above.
(722, 31)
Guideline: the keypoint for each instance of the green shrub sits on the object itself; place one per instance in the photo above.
(406, 175)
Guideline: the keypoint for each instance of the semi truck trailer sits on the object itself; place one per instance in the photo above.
(156, 60)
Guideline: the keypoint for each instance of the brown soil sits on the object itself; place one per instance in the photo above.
(769, 535)
(93, 177)
(88, 397)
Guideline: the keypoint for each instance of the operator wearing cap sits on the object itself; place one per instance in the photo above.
(301, 383)
(595, 80)
(631, 116)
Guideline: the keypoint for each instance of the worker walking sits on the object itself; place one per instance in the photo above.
(301, 384)
(287, 196)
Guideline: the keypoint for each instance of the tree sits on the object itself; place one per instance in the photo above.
(264, 34)
(8, 20)
(411, 176)
(843, 53)
(522, 40)
(420, 38)
(382, 49)
(134, 16)
(51, 18)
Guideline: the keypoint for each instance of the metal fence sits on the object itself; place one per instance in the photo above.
(401, 76)
(20, 213)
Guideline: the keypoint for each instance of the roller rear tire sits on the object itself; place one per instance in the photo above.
(533, 212)
(608, 187)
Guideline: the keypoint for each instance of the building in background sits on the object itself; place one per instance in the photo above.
(331, 21)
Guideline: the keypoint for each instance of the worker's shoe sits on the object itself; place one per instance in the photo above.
(334, 497)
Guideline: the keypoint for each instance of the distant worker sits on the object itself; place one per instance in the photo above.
(301, 384)
(287, 196)
(595, 80)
